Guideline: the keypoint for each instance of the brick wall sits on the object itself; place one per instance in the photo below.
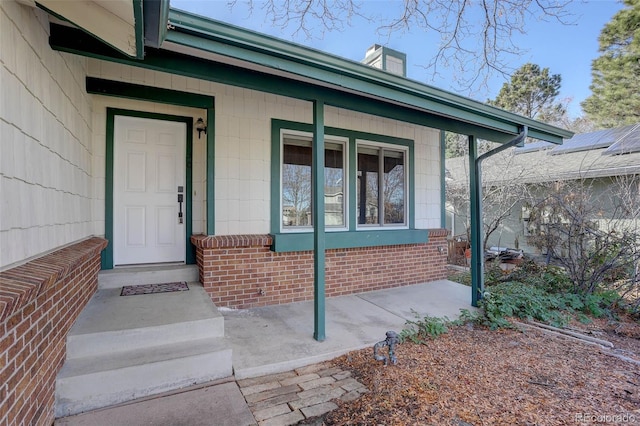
(39, 301)
(240, 271)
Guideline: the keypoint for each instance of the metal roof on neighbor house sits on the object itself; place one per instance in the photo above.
(543, 164)
(600, 139)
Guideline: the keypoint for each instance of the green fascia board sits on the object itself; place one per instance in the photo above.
(120, 89)
(138, 17)
(71, 40)
(156, 17)
(291, 242)
(218, 37)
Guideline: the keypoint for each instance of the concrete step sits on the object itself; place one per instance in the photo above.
(155, 274)
(112, 323)
(92, 382)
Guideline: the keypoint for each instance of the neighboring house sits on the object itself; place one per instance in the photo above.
(596, 159)
(105, 162)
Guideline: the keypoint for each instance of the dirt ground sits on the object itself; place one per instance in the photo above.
(474, 376)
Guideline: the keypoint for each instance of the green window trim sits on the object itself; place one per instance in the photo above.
(353, 236)
(303, 241)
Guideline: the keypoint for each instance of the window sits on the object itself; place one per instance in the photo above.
(367, 188)
(296, 182)
(381, 185)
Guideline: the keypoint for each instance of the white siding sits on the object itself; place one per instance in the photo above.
(243, 147)
(45, 128)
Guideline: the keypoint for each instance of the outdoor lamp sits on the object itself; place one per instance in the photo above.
(201, 126)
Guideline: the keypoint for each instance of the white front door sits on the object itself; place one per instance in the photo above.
(149, 174)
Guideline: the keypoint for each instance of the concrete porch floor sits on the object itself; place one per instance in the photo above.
(279, 338)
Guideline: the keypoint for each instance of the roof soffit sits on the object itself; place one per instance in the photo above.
(117, 23)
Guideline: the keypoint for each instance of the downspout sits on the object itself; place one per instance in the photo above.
(477, 249)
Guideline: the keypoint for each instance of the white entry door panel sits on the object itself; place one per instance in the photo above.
(149, 169)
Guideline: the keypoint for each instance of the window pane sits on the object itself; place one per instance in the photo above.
(367, 197)
(394, 187)
(296, 182)
(334, 184)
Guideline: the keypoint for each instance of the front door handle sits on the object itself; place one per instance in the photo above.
(180, 208)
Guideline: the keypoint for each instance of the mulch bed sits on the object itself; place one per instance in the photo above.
(475, 376)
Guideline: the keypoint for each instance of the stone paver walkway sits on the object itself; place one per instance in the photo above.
(287, 398)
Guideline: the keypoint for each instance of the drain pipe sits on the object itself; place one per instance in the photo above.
(477, 248)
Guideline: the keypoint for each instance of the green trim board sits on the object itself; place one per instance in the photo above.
(99, 86)
(303, 241)
(285, 240)
(318, 209)
(210, 172)
(418, 109)
(107, 254)
(156, 17)
(443, 182)
(209, 35)
(119, 89)
(138, 17)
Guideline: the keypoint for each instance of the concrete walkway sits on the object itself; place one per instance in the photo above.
(280, 338)
(279, 375)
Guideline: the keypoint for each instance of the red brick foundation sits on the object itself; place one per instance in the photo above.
(240, 271)
(39, 301)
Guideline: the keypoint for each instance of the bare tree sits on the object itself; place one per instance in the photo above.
(499, 197)
(593, 234)
(474, 35)
(296, 194)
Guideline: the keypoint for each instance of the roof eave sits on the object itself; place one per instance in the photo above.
(228, 40)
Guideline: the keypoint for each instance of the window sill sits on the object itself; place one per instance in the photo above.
(297, 241)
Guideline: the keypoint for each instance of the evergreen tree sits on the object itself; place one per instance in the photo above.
(615, 99)
(531, 92)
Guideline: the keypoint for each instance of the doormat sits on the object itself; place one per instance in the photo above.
(132, 290)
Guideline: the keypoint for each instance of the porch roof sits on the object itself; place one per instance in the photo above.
(199, 36)
(309, 73)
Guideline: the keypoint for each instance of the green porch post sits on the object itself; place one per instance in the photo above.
(317, 179)
(475, 195)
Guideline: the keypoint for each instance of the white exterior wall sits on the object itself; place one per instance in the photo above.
(243, 147)
(45, 143)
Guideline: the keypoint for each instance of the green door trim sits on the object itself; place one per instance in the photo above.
(107, 254)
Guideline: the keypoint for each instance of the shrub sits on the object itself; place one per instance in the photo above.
(527, 301)
(421, 329)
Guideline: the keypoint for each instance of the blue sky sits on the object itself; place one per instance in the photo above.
(565, 49)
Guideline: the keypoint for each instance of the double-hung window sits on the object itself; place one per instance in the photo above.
(296, 182)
